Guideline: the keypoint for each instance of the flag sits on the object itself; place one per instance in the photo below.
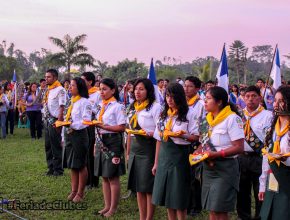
(275, 71)
(152, 77)
(14, 76)
(222, 73)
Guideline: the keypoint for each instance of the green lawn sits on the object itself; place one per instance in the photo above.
(22, 177)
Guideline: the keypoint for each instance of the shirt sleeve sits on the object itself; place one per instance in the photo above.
(156, 134)
(62, 97)
(263, 177)
(156, 109)
(193, 125)
(120, 114)
(235, 128)
(87, 111)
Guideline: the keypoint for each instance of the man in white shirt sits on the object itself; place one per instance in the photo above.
(4, 105)
(55, 100)
(191, 87)
(256, 121)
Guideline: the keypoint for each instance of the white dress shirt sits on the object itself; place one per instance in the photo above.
(230, 129)
(190, 127)
(148, 119)
(82, 110)
(285, 148)
(259, 124)
(114, 115)
(56, 98)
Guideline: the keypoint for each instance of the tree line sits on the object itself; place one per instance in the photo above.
(72, 59)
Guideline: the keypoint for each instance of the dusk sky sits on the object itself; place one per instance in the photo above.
(119, 29)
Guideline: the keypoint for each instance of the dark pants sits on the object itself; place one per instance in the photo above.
(35, 123)
(195, 190)
(10, 119)
(93, 180)
(53, 148)
(251, 169)
(2, 123)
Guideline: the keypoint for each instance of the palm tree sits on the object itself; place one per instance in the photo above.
(72, 52)
(101, 67)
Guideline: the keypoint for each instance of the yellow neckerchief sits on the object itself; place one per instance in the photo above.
(280, 134)
(50, 87)
(74, 99)
(168, 127)
(192, 100)
(222, 115)
(105, 103)
(138, 108)
(92, 90)
(247, 127)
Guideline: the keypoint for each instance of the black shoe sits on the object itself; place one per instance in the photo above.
(49, 173)
(57, 173)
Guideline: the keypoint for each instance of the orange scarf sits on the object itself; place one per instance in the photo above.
(168, 127)
(280, 134)
(92, 90)
(247, 128)
(105, 103)
(192, 100)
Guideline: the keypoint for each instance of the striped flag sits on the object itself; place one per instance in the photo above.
(275, 71)
(222, 73)
(152, 77)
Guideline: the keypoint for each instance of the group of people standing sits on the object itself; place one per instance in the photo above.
(246, 145)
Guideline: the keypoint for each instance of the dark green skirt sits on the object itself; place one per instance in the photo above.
(76, 149)
(172, 180)
(276, 205)
(220, 185)
(141, 162)
(109, 159)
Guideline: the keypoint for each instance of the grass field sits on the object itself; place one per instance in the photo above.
(22, 177)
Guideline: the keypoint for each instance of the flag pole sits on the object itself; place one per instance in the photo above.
(267, 82)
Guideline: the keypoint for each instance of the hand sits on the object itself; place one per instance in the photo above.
(212, 154)
(154, 169)
(261, 196)
(149, 134)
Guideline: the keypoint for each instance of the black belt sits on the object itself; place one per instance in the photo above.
(109, 135)
(249, 153)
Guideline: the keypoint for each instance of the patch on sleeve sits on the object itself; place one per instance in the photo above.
(240, 122)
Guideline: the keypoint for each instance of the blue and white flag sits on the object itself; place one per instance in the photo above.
(152, 77)
(14, 76)
(275, 71)
(222, 73)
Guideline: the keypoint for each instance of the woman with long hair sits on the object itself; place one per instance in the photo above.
(141, 148)
(33, 111)
(222, 140)
(234, 94)
(275, 178)
(175, 130)
(109, 152)
(76, 138)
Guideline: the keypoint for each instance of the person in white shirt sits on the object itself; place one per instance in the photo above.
(256, 122)
(275, 178)
(54, 102)
(191, 87)
(109, 150)
(4, 106)
(141, 149)
(176, 129)
(222, 140)
(76, 138)
(94, 99)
